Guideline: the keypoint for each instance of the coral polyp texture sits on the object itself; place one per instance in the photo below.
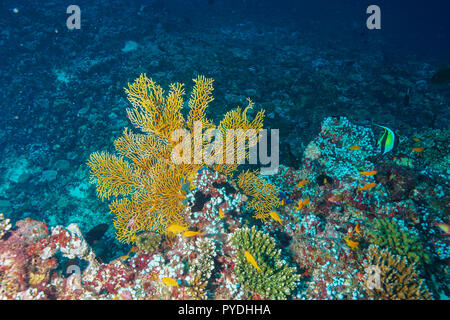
(393, 277)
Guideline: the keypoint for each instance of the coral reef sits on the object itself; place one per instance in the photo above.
(275, 279)
(320, 243)
(201, 268)
(389, 233)
(5, 225)
(435, 144)
(148, 241)
(391, 277)
(264, 195)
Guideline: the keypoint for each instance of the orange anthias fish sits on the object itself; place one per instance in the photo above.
(191, 233)
(352, 244)
(299, 206)
(368, 186)
(302, 183)
(124, 257)
(416, 139)
(221, 214)
(252, 260)
(369, 173)
(283, 201)
(418, 149)
(357, 229)
(169, 281)
(133, 249)
(275, 216)
(355, 148)
(175, 228)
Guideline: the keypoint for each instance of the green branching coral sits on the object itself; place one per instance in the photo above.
(276, 279)
(391, 277)
(388, 233)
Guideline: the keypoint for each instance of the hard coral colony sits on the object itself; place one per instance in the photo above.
(348, 224)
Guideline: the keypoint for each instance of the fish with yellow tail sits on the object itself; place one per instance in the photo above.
(368, 173)
(190, 233)
(301, 204)
(169, 282)
(176, 228)
(358, 229)
(367, 186)
(221, 214)
(352, 244)
(302, 183)
(252, 260)
(275, 217)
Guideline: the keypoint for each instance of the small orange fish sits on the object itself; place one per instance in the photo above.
(355, 148)
(169, 281)
(418, 149)
(283, 201)
(416, 139)
(357, 229)
(175, 228)
(190, 233)
(275, 216)
(368, 186)
(124, 257)
(352, 244)
(133, 249)
(369, 173)
(252, 260)
(221, 214)
(302, 183)
(299, 206)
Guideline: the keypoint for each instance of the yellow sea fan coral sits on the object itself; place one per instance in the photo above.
(200, 98)
(112, 175)
(152, 112)
(264, 195)
(148, 184)
(239, 134)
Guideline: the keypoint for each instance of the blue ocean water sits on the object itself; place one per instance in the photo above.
(62, 94)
